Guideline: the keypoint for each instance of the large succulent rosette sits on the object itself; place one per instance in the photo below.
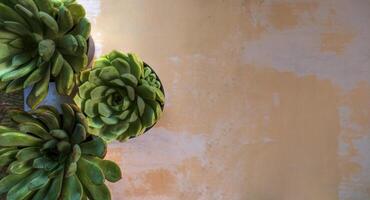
(52, 157)
(41, 40)
(121, 96)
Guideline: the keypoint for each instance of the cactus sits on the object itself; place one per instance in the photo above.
(40, 41)
(121, 96)
(52, 156)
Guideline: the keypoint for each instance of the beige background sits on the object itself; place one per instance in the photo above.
(266, 99)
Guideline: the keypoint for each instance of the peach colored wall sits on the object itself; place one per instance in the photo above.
(266, 99)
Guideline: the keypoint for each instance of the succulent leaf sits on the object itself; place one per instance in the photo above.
(19, 167)
(55, 188)
(30, 5)
(11, 139)
(14, 85)
(77, 12)
(65, 19)
(23, 11)
(121, 96)
(20, 72)
(50, 157)
(7, 13)
(49, 21)
(72, 189)
(95, 147)
(45, 6)
(111, 170)
(21, 190)
(94, 174)
(39, 182)
(46, 49)
(83, 28)
(10, 180)
(16, 27)
(79, 134)
(28, 153)
(42, 41)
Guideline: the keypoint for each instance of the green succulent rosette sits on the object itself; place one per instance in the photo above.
(121, 96)
(51, 156)
(42, 40)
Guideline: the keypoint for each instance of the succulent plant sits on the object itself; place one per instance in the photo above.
(52, 156)
(121, 96)
(40, 41)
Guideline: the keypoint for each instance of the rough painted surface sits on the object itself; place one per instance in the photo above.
(266, 99)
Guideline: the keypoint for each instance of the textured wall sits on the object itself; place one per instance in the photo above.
(266, 99)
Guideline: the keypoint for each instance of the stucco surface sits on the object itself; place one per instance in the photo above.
(266, 99)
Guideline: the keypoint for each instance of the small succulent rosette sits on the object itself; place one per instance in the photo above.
(52, 156)
(121, 96)
(40, 41)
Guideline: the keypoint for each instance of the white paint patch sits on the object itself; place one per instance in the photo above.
(98, 44)
(356, 186)
(298, 50)
(161, 148)
(263, 140)
(276, 99)
(92, 12)
(290, 53)
(174, 59)
(345, 122)
(92, 8)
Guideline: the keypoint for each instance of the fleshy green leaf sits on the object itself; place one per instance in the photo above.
(104, 110)
(94, 173)
(65, 20)
(6, 13)
(129, 79)
(68, 117)
(49, 21)
(72, 189)
(35, 129)
(39, 182)
(130, 92)
(146, 92)
(55, 188)
(83, 28)
(110, 120)
(44, 163)
(77, 12)
(7, 157)
(85, 89)
(21, 190)
(98, 92)
(111, 170)
(111, 132)
(95, 147)
(79, 134)
(121, 65)
(11, 180)
(109, 73)
(140, 105)
(95, 122)
(27, 154)
(149, 117)
(19, 167)
(18, 139)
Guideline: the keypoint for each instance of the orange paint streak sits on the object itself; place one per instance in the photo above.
(336, 42)
(156, 182)
(270, 134)
(288, 15)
